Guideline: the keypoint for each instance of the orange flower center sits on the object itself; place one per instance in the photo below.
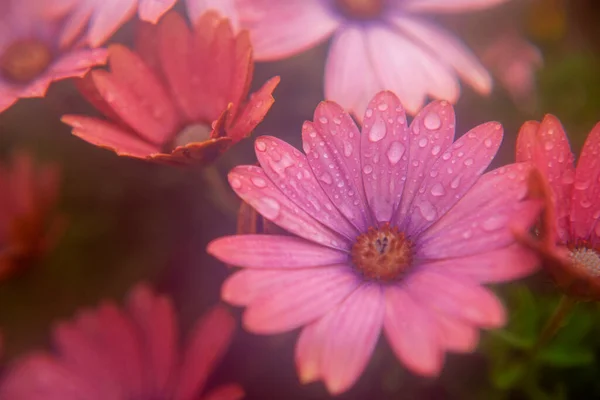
(24, 60)
(361, 9)
(587, 259)
(382, 254)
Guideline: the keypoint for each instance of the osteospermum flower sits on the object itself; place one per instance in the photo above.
(571, 242)
(30, 55)
(126, 354)
(181, 98)
(393, 228)
(29, 225)
(384, 44)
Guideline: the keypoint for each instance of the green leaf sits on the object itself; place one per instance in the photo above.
(566, 357)
(508, 375)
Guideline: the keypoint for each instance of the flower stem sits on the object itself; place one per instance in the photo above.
(564, 307)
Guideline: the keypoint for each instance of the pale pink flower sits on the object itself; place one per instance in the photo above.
(571, 243)
(30, 55)
(126, 354)
(383, 44)
(392, 229)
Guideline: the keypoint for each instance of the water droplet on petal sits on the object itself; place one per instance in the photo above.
(427, 210)
(326, 178)
(432, 121)
(582, 185)
(494, 223)
(438, 190)
(455, 182)
(585, 203)
(423, 142)
(323, 120)
(270, 207)
(395, 152)
(549, 145)
(367, 169)
(378, 131)
(337, 120)
(347, 148)
(488, 143)
(261, 145)
(382, 107)
(468, 162)
(436, 150)
(306, 147)
(258, 182)
(236, 183)
(368, 113)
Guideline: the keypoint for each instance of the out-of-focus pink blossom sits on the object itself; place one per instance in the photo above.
(181, 98)
(393, 228)
(30, 54)
(515, 61)
(383, 44)
(570, 242)
(29, 225)
(126, 354)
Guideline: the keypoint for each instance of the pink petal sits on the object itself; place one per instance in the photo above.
(7, 98)
(273, 251)
(437, 6)
(75, 23)
(412, 333)
(104, 134)
(409, 70)
(455, 334)
(77, 60)
(352, 335)
(225, 392)
(585, 204)
(431, 131)
(453, 174)
(308, 297)
(484, 218)
(152, 10)
(206, 346)
(226, 8)
(255, 188)
(289, 169)
(310, 346)
(456, 297)
(385, 136)
(280, 29)
(348, 62)
(449, 49)
(108, 16)
(155, 318)
(332, 146)
(501, 265)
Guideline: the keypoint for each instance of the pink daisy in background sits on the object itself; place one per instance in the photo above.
(391, 229)
(30, 55)
(181, 98)
(571, 246)
(384, 44)
(126, 354)
(29, 224)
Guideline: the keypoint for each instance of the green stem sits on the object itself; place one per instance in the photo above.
(564, 307)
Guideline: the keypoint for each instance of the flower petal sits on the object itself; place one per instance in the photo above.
(437, 6)
(280, 29)
(309, 348)
(289, 169)
(384, 135)
(455, 334)
(272, 251)
(230, 391)
(256, 189)
(412, 333)
(77, 60)
(152, 10)
(226, 8)
(309, 296)
(453, 174)
(108, 16)
(332, 146)
(351, 338)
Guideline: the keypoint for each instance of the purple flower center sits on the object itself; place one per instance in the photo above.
(587, 259)
(24, 60)
(360, 9)
(382, 254)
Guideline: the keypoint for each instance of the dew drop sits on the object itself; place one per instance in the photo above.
(258, 182)
(468, 162)
(378, 131)
(261, 145)
(582, 185)
(326, 178)
(549, 145)
(455, 182)
(432, 121)
(382, 107)
(423, 142)
(323, 120)
(488, 143)
(269, 207)
(585, 203)
(436, 150)
(438, 190)
(347, 148)
(395, 152)
(368, 113)
(427, 210)
(367, 169)
(236, 183)
(493, 223)
(337, 120)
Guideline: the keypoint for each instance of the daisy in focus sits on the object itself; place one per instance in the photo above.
(29, 225)
(129, 353)
(384, 44)
(570, 240)
(181, 98)
(31, 57)
(393, 228)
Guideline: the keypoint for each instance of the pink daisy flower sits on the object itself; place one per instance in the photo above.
(181, 98)
(29, 225)
(30, 55)
(126, 354)
(570, 242)
(391, 229)
(384, 44)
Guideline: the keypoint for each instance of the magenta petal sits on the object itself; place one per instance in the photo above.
(152, 10)
(308, 297)
(77, 60)
(352, 336)
(431, 132)
(310, 346)
(484, 219)
(273, 251)
(229, 391)
(585, 204)
(501, 265)
(436, 6)
(255, 188)
(288, 168)
(453, 174)
(75, 23)
(226, 8)
(412, 333)
(384, 154)
(332, 146)
(108, 16)
(456, 334)
(7, 98)
(456, 297)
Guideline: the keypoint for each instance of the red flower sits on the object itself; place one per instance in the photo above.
(181, 98)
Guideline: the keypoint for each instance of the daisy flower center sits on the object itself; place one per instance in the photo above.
(587, 259)
(382, 254)
(195, 133)
(360, 9)
(24, 60)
